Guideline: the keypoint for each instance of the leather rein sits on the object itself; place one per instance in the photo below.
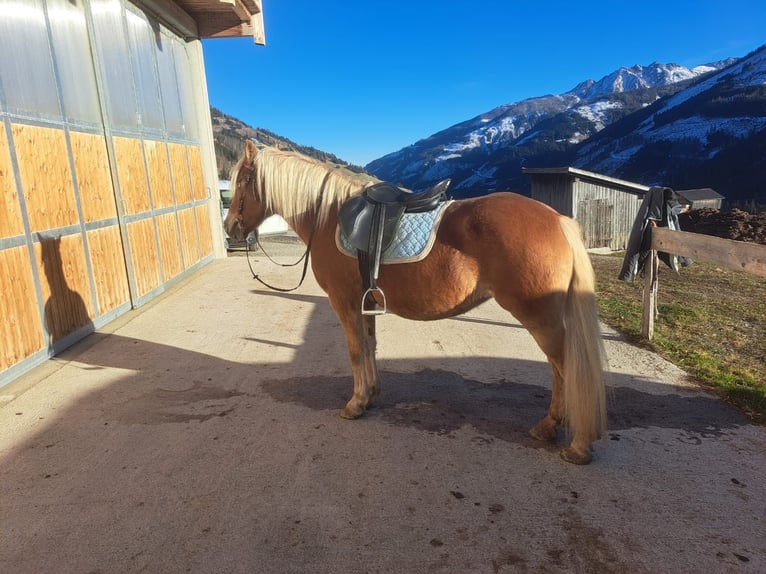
(306, 254)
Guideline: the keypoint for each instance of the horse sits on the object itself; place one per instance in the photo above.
(503, 245)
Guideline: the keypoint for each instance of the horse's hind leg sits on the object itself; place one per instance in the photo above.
(548, 332)
(547, 428)
(578, 452)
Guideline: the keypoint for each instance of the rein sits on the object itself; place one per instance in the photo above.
(306, 254)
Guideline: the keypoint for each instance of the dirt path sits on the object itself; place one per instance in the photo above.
(201, 434)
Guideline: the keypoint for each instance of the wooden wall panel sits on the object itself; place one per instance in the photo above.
(109, 274)
(170, 250)
(180, 168)
(197, 178)
(159, 173)
(189, 242)
(64, 282)
(131, 175)
(11, 223)
(205, 234)
(91, 166)
(20, 329)
(45, 177)
(143, 255)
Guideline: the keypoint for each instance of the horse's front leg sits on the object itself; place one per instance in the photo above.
(360, 339)
(370, 363)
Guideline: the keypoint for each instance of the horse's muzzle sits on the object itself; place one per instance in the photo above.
(233, 228)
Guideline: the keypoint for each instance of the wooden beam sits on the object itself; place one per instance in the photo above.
(238, 31)
(256, 23)
(171, 15)
(737, 255)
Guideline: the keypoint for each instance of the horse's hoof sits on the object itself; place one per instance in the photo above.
(351, 412)
(576, 456)
(544, 431)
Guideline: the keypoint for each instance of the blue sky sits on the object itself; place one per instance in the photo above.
(364, 78)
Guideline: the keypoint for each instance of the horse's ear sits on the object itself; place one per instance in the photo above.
(250, 151)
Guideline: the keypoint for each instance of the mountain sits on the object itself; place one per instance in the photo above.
(711, 134)
(229, 135)
(657, 124)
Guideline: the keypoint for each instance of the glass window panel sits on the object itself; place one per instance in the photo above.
(142, 42)
(71, 49)
(186, 88)
(171, 102)
(26, 68)
(115, 62)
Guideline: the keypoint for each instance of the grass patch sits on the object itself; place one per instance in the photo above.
(711, 323)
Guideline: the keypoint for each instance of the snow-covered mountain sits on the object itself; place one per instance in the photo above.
(711, 134)
(486, 153)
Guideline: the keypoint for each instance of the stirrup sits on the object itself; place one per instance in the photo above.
(375, 310)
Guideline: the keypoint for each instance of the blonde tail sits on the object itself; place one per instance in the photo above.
(584, 360)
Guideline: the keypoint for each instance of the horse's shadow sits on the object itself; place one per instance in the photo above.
(442, 400)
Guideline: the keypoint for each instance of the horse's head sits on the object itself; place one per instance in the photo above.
(248, 209)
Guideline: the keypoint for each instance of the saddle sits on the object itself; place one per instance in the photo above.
(369, 221)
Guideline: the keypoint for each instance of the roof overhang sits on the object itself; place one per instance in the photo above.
(210, 18)
(588, 175)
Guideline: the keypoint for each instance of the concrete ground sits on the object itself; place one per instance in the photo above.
(201, 434)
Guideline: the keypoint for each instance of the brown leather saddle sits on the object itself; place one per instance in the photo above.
(369, 221)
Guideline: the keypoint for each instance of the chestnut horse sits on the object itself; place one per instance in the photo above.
(527, 256)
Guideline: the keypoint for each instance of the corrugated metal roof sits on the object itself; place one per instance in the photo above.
(576, 172)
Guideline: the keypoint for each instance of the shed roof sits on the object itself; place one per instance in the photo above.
(699, 194)
(210, 18)
(583, 174)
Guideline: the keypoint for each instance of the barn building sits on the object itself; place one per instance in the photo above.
(108, 182)
(700, 198)
(605, 207)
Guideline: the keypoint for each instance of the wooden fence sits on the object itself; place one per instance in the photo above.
(737, 255)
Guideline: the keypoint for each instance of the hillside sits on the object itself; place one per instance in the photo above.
(229, 135)
(661, 124)
(657, 124)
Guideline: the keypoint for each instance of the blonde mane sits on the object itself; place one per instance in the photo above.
(290, 183)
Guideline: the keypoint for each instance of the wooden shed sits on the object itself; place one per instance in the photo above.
(605, 207)
(700, 198)
(108, 182)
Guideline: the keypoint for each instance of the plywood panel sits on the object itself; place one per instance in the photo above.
(108, 263)
(91, 167)
(132, 175)
(159, 173)
(10, 211)
(205, 235)
(64, 284)
(170, 250)
(144, 255)
(181, 181)
(195, 167)
(20, 330)
(189, 243)
(45, 177)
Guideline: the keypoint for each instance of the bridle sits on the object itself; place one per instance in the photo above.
(305, 257)
(241, 206)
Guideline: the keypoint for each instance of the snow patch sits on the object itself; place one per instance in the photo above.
(596, 112)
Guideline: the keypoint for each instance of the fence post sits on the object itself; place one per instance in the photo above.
(651, 270)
